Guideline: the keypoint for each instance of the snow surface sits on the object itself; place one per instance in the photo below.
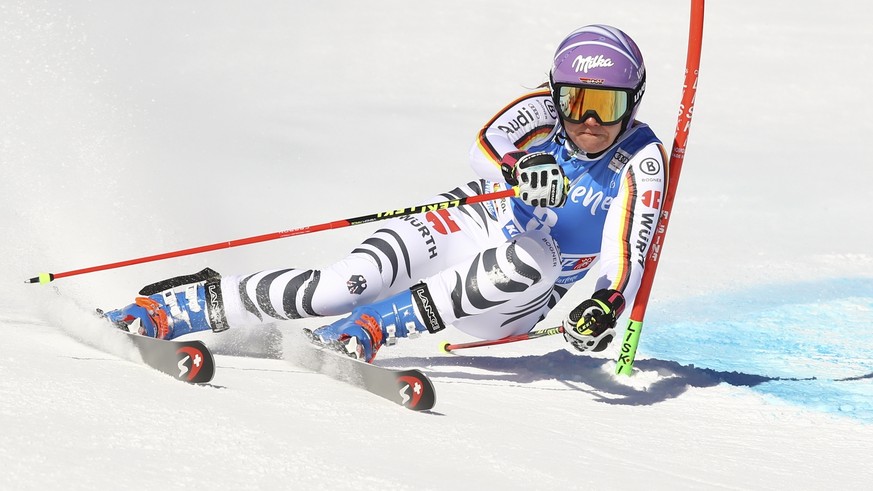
(133, 128)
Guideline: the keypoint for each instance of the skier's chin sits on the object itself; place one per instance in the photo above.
(591, 142)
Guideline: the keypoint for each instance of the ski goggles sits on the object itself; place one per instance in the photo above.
(576, 103)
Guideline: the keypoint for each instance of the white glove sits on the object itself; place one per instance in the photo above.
(540, 180)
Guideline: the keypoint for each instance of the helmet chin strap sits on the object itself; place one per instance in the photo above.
(564, 139)
(575, 150)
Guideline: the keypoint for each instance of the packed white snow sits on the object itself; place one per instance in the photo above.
(134, 128)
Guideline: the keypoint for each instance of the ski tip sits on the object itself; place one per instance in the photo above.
(444, 347)
(416, 390)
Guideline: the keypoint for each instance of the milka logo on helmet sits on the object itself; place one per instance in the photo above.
(581, 64)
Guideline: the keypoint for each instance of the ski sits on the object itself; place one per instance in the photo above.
(410, 388)
(188, 361)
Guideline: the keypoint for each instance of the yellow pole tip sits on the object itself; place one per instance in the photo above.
(42, 278)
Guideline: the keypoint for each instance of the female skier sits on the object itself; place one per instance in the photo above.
(590, 180)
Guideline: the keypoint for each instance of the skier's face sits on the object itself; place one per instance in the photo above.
(591, 136)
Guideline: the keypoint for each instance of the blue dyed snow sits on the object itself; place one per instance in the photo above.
(810, 342)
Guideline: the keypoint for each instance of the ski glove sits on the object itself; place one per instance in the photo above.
(174, 307)
(540, 180)
(591, 325)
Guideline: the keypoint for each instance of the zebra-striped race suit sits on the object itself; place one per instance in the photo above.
(493, 269)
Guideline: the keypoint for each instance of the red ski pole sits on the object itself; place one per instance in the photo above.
(628, 352)
(347, 222)
(447, 347)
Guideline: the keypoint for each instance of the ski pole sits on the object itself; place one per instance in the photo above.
(347, 222)
(625, 362)
(446, 347)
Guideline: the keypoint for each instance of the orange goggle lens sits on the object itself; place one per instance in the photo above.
(576, 103)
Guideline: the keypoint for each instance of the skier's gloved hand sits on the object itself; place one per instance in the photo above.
(174, 307)
(591, 325)
(540, 180)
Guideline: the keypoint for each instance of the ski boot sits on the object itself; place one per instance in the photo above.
(174, 307)
(368, 328)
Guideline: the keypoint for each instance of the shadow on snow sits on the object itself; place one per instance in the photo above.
(590, 375)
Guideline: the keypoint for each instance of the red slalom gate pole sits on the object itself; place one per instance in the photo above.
(347, 222)
(624, 365)
(447, 347)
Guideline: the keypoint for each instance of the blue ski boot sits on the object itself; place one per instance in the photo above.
(368, 328)
(187, 304)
